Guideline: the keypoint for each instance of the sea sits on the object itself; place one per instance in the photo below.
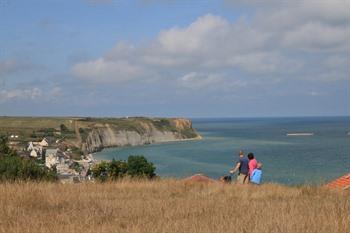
(316, 158)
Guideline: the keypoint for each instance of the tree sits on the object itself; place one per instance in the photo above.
(135, 167)
(138, 166)
(4, 148)
(64, 128)
(117, 169)
(100, 171)
(13, 167)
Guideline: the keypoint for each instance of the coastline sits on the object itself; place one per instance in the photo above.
(198, 138)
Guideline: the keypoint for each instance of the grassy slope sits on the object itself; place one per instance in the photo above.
(171, 206)
(25, 126)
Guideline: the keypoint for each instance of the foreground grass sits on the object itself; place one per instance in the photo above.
(171, 206)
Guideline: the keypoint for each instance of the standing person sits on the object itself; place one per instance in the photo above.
(252, 164)
(256, 175)
(243, 169)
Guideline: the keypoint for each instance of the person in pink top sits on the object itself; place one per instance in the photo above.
(253, 164)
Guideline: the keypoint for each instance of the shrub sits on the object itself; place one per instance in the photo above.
(4, 148)
(117, 169)
(14, 168)
(47, 132)
(135, 166)
(138, 166)
(100, 171)
(64, 128)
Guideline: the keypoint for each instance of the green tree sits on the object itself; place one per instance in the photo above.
(100, 171)
(13, 167)
(4, 148)
(64, 128)
(135, 167)
(138, 166)
(117, 169)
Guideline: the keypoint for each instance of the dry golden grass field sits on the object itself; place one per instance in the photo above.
(171, 206)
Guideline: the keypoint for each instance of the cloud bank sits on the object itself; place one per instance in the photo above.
(250, 57)
(299, 40)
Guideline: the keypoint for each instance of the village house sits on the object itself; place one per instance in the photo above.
(51, 158)
(37, 149)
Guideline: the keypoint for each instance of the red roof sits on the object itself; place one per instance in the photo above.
(199, 178)
(340, 183)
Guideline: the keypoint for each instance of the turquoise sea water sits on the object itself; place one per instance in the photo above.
(289, 160)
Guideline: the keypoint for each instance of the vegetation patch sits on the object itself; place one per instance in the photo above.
(16, 168)
(135, 167)
(189, 133)
(164, 125)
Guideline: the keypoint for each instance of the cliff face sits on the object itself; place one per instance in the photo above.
(137, 132)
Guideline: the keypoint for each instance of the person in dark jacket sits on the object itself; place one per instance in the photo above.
(242, 168)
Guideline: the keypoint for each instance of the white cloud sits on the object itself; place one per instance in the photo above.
(281, 39)
(20, 94)
(210, 42)
(195, 80)
(104, 71)
(315, 93)
(196, 38)
(299, 23)
(45, 94)
(332, 11)
(317, 36)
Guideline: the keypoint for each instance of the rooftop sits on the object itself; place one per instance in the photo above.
(340, 183)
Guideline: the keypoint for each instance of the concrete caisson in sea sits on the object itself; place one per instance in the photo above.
(300, 134)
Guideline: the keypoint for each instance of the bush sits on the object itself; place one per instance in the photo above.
(117, 169)
(100, 171)
(110, 170)
(14, 168)
(4, 148)
(136, 166)
(64, 128)
(47, 132)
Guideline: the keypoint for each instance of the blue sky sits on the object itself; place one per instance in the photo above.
(200, 58)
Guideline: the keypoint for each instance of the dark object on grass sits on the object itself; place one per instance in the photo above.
(226, 179)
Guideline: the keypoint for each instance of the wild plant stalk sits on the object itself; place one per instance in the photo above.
(171, 206)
